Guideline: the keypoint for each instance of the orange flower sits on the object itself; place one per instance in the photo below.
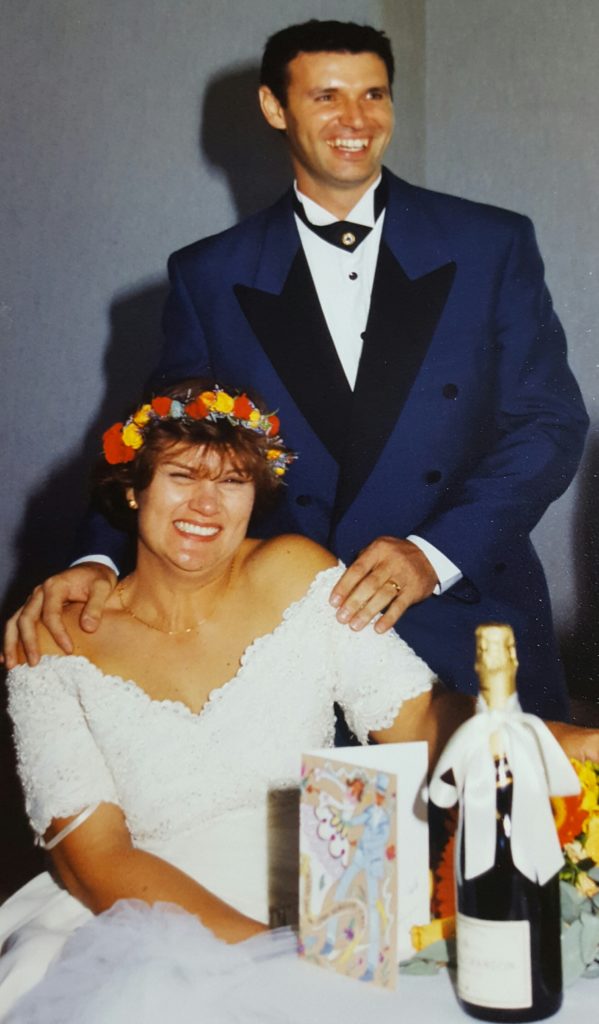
(570, 817)
(115, 450)
(275, 424)
(161, 405)
(444, 894)
(197, 410)
(208, 398)
(242, 407)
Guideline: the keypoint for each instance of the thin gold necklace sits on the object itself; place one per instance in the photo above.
(177, 632)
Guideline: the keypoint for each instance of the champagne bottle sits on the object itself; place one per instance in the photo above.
(508, 927)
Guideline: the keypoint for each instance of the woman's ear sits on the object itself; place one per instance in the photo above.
(131, 500)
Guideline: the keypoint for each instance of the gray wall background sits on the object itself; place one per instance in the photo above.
(129, 129)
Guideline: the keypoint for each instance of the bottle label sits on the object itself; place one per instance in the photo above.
(494, 964)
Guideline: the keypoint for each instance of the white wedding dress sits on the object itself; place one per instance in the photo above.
(213, 793)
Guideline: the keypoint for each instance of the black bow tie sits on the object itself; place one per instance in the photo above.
(344, 233)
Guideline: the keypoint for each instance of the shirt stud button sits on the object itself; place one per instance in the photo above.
(353, 276)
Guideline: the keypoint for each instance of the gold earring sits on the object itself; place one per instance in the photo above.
(132, 503)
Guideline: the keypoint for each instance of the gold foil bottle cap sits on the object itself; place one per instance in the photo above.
(496, 663)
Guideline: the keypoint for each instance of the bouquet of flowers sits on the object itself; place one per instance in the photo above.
(577, 823)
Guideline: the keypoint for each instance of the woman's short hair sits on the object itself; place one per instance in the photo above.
(250, 450)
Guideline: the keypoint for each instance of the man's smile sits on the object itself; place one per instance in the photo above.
(352, 145)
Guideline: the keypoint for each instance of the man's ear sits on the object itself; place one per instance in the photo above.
(272, 109)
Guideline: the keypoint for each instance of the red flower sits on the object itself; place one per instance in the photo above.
(275, 425)
(390, 852)
(243, 407)
(115, 449)
(569, 815)
(162, 405)
(196, 410)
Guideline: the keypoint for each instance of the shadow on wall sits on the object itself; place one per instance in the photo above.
(235, 138)
(580, 648)
(51, 520)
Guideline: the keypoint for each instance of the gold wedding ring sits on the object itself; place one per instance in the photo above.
(395, 586)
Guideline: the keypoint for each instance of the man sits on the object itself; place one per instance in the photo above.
(409, 344)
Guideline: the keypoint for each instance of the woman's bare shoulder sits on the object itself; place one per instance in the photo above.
(287, 564)
(46, 642)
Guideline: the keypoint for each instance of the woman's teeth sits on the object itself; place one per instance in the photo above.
(196, 529)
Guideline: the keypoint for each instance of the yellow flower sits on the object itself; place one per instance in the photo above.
(272, 453)
(586, 885)
(591, 846)
(132, 436)
(142, 415)
(255, 416)
(224, 403)
(590, 785)
(278, 471)
(208, 398)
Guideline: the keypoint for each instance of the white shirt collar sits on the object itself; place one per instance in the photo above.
(362, 212)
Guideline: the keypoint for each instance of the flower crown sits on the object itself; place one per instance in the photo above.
(122, 441)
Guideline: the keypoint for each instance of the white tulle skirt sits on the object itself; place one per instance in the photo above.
(137, 964)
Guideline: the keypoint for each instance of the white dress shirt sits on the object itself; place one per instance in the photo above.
(343, 282)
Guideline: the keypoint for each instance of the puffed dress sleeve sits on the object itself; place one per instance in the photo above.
(372, 673)
(62, 771)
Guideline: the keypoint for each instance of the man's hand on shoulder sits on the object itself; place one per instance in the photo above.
(389, 574)
(88, 582)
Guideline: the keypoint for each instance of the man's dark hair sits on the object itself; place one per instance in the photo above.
(319, 37)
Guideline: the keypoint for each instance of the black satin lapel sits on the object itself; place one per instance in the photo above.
(402, 320)
(293, 332)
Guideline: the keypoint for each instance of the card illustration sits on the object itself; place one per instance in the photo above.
(348, 883)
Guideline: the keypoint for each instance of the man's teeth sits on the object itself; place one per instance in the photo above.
(353, 144)
(196, 529)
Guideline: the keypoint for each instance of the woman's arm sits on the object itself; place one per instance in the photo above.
(99, 865)
(435, 715)
(63, 772)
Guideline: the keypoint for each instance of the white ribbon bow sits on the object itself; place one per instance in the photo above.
(540, 768)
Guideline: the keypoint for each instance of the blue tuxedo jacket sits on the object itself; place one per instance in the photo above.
(465, 421)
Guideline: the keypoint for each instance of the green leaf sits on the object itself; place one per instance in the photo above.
(572, 963)
(572, 902)
(590, 937)
(416, 966)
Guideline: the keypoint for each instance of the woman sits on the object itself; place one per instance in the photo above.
(147, 756)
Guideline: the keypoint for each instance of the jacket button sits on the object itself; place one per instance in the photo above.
(304, 500)
(433, 476)
(500, 567)
(450, 391)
